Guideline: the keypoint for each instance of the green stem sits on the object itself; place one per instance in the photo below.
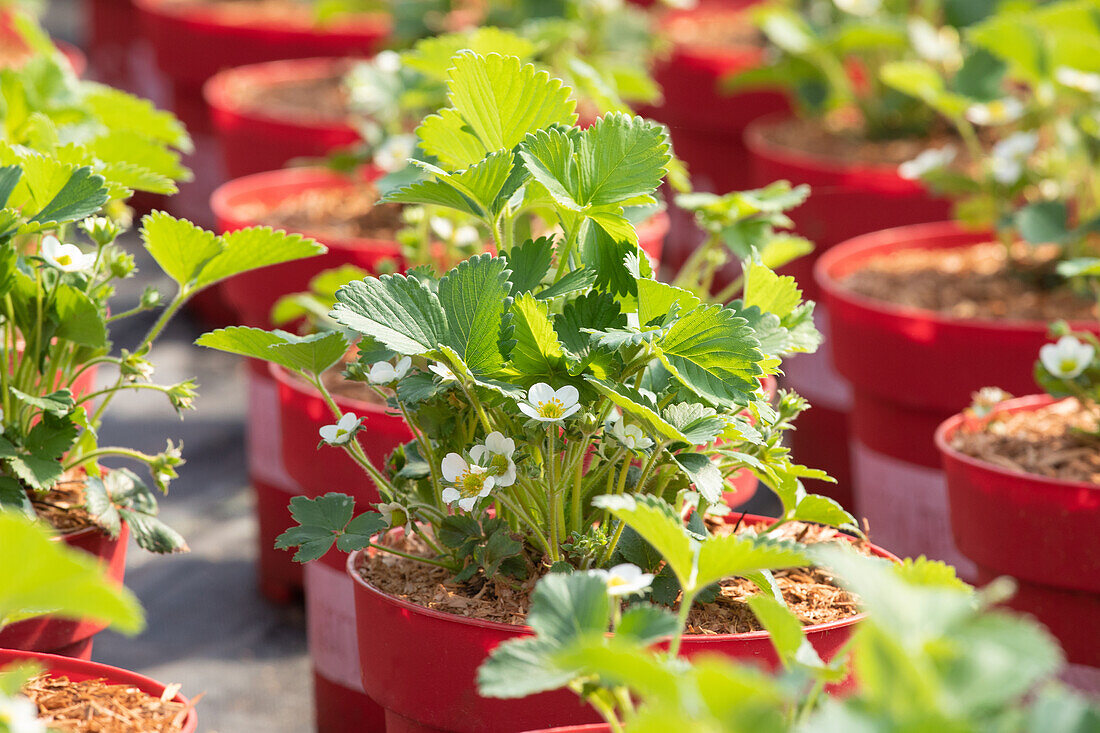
(108, 451)
(567, 251)
(407, 556)
(681, 623)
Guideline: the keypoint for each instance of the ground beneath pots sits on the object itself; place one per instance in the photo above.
(92, 706)
(324, 98)
(209, 629)
(843, 144)
(1043, 442)
(811, 593)
(976, 281)
(344, 213)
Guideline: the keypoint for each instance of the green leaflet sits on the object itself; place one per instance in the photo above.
(495, 102)
(714, 353)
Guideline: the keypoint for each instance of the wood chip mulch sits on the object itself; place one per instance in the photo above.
(63, 505)
(93, 706)
(971, 282)
(812, 593)
(324, 98)
(342, 212)
(1046, 442)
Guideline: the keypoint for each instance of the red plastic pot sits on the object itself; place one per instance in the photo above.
(911, 369)
(847, 200)
(400, 643)
(253, 141)
(1039, 530)
(253, 294)
(194, 41)
(341, 704)
(707, 123)
(112, 32)
(80, 670)
(279, 577)
(67, 637)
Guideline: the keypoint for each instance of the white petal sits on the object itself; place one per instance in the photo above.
(567, 395)
(402, 367)
(467, 504)
(478, 452)
(453, 466)
(328, 433)
(529, 411)
(381, 372)
(509, 476)
(1051, 359)
(348, 421)
(50, 246)
(540, 393)
(571, 410)
(450, 495)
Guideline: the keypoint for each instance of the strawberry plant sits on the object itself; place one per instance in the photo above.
(554, 371)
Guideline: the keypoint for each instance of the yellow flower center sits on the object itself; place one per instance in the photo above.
(616, 581)
(1068, 364)
(64, 260)
(552, 408)
(470, 484)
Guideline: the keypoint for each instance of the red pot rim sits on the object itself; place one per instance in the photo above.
(951, 425)
(227, 197)
(206, 14)
(733, 56)
(852, 252)
(282, 376)
(352, 571)
(217, 89)
(759, 145)
(59, 665)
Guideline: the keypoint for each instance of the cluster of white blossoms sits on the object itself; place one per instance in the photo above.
(1067, 358)
(490, 465)
(1008, 157)
(997, 112)
(928, 161)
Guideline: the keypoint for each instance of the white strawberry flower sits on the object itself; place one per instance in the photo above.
(19, 715)
(546, 405)
(342, 431)
(388, 61)
(382, 372)
(466, 235)
(470, 481)
(862, 8)
(496, 455)
(630, 435)
(926, 162)
(443, 372)
(396, 514)
(938, 45)
(1067, 358)
(1083, 81)
(1006, 160)
(66, 257)
(443, 228)
(625, 579)
(997, 112)
(394, 153)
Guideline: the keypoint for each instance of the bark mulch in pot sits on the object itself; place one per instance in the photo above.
(94, 706)
(63, 505)
(840, 141)
(976, 282)
(1049, 441)
(343, 213)
(324, 98)
(812, 593)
